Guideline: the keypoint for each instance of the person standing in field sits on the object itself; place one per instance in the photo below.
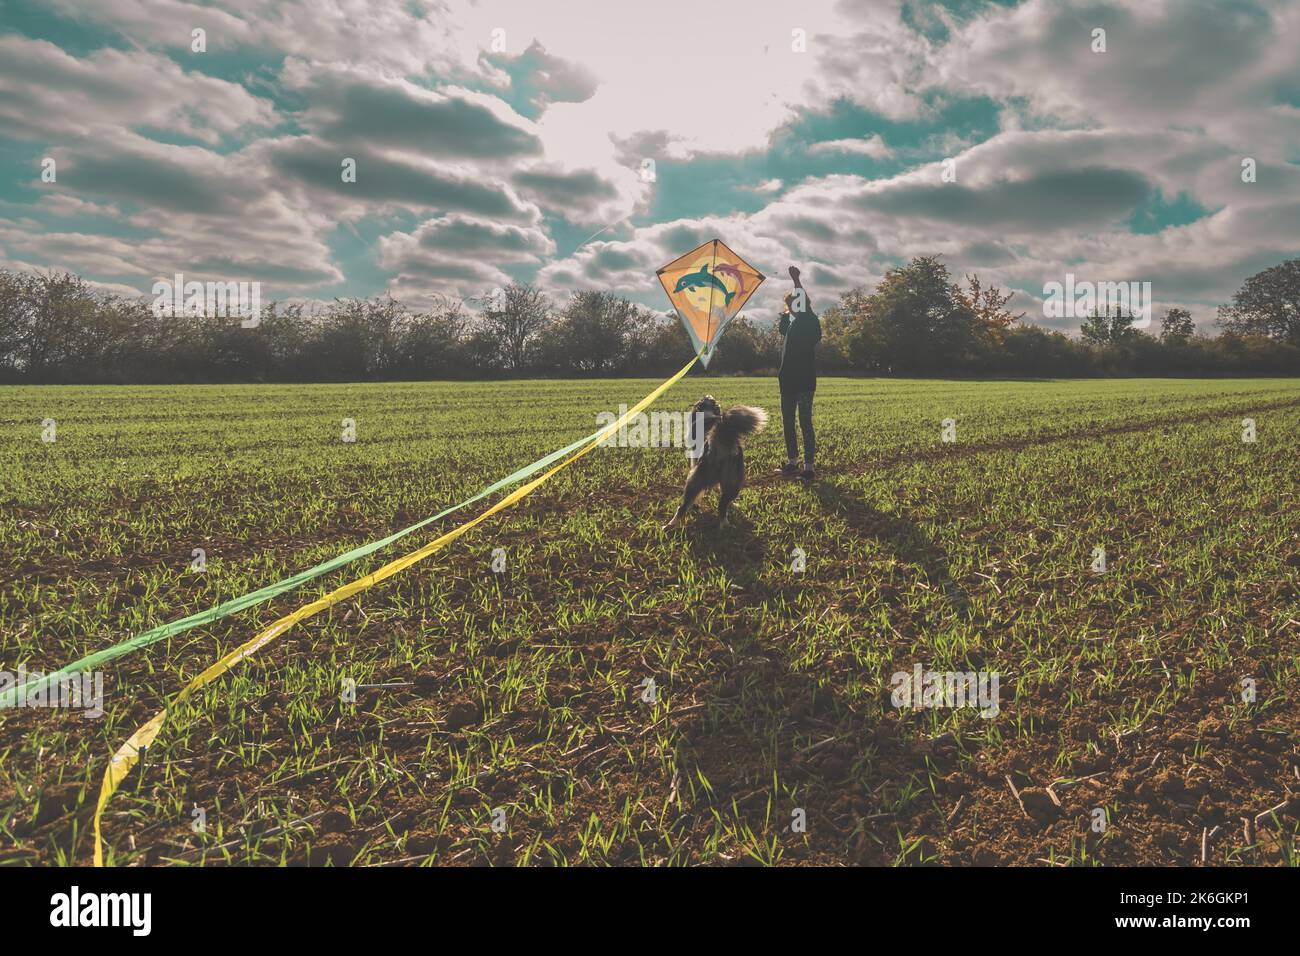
(800, 330)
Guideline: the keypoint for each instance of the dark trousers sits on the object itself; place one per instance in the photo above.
(803, 402)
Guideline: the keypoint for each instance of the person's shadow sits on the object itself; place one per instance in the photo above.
(778, 745)
(909, 542)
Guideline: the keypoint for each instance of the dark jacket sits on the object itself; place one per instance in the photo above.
(801, 332)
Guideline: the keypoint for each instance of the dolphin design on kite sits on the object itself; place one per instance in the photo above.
(727, 269)
(693, 280)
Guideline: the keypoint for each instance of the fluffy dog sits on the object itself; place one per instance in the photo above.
(722, 461)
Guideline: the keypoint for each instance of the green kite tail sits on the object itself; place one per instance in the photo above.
(10, 697)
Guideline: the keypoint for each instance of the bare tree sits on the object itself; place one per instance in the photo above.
(17, 306)
(51, 320)
(516, 314)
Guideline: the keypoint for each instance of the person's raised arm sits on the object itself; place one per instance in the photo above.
(798, 284)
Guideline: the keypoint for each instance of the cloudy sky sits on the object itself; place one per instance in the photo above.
(583, 145)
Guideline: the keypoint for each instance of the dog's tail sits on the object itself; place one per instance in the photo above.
(739, 421)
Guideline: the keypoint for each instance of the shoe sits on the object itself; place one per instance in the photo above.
(790, 469)
(807, 473)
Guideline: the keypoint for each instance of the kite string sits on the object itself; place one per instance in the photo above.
(128, 755)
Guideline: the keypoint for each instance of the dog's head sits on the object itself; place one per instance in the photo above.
(700, 419)
(707, 406)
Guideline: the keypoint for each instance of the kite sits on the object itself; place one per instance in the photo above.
(708, 287)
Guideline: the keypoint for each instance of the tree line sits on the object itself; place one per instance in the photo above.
(57, 328)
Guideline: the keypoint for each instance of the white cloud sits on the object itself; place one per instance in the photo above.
(873, 146)
(47, 94)
(462, 255)
(410, 36)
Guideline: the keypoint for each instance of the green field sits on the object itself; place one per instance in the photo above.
(522, 691)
